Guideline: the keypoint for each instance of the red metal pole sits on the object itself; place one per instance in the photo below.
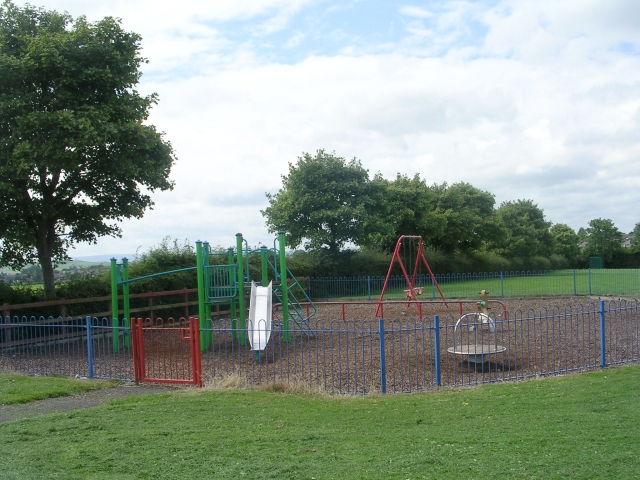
(435, 282)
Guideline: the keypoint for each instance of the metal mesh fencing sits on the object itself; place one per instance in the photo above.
(467, 285)
(342, 354)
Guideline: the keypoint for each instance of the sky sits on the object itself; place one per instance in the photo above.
(526, 99)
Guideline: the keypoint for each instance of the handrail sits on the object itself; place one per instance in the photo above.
(154, 275)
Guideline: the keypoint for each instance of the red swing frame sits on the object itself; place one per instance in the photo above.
(412, 289)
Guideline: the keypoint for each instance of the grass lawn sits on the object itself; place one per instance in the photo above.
(16, 388)
(578, 426)
(558, 282)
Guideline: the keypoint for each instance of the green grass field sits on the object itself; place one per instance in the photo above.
(579, 426)
(561, 282)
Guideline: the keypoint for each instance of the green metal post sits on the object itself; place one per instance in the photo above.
(284, 287)
(207, 307)
(243, 313)
(114, 306)
(201, 292)
(125, 301)
(232, 308)
(263, 262)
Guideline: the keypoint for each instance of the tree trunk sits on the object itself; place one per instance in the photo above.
(48, 277)
(44, 256)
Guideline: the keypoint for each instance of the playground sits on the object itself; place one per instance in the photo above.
(274, 332)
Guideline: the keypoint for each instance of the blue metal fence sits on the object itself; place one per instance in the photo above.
(354, 356)
(76, 347)
(466, 285)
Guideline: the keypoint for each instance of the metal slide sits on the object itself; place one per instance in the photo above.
(259, 323)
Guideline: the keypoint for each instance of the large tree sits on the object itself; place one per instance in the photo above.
(603, 239)
(75, 153)
(565, 241)
(324, 203)
(525, 230)
(403, 206)
(470, 217)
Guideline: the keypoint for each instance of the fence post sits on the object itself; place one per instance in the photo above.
(436, 346)
(603, 349)
(114, 306)
(126, 310)
(383, 366)
(575, 283)
(89, 347)
(501, 285)
(589, 272)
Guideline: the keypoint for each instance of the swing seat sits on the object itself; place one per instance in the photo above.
(412, 293)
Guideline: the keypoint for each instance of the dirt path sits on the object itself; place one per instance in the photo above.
(89, 399)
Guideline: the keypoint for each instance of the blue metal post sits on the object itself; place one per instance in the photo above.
(114, 306)
(501, 285)
(603, 349)
(383, 366)
(436, 346)
(575, 283)
(89, 347)
(368, 288)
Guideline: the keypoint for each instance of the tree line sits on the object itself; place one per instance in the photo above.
(328, 205)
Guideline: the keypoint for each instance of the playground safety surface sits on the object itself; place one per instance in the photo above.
(344, 356)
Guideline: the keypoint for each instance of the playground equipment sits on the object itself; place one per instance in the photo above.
(260, 310)
(222, 280)
(409, 253)
(480, 342)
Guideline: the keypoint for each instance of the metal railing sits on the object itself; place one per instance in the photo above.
(467, 285)
(354, 356)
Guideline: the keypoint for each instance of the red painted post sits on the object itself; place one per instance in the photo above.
(134, 350)
(195, 351)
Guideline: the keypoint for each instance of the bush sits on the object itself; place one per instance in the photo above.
(85, 285)
(169, 255)
(17, 294)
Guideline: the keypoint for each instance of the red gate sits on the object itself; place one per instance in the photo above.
(166, 352)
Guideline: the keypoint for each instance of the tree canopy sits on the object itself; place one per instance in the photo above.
(404, 206)
(324, 202)
(470, 220)
(635, 238)
(603, 239)
(75, 153)
(565, 241)
(525, 230)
